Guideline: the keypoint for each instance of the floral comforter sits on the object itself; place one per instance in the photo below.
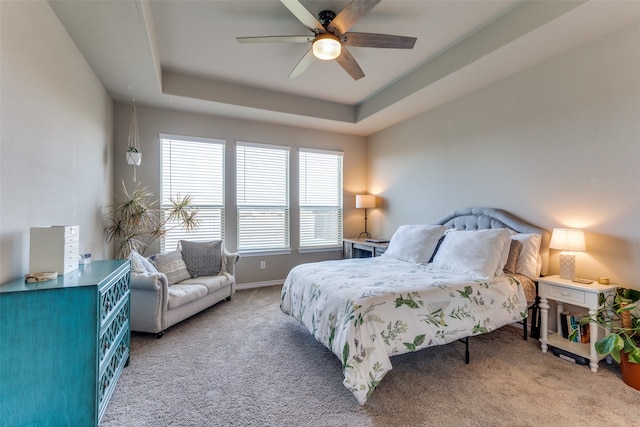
(366, 310)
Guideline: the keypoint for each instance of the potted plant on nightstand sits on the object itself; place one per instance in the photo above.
(620, 316)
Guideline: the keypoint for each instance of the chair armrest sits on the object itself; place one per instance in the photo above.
(149, 281)
(149, 302)
(230, 260)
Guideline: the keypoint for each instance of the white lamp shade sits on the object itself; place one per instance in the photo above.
(567, 239)
(326, 46)
(365, 201)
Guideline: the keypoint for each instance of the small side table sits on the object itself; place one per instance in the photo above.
(360, 248)
(582, 295)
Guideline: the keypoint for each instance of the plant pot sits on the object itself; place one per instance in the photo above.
(134, 158)
(630, 372)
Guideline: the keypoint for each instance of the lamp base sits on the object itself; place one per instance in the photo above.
(365, 234)
(567, 266)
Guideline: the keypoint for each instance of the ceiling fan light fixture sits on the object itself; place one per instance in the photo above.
(326, 46)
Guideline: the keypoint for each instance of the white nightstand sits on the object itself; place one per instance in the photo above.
(361, 248)
(566, 291)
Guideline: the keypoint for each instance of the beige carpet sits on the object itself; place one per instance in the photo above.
(245, 363)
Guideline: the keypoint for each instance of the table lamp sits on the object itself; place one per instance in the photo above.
(365, 201)
(569, 241)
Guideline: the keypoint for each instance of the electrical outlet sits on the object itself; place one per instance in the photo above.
(263, 265)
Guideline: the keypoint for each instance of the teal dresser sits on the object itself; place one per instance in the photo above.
(63, 345)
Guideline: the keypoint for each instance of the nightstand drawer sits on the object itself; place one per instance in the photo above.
(560, 293)
(363, 247)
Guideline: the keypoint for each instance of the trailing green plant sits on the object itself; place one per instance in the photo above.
(620, 318)
(136, 222)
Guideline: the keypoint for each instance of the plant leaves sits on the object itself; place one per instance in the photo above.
(611, 344)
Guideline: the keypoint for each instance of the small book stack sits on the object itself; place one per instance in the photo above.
(573, 328)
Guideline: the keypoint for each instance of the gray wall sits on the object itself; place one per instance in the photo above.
(558, 145)
(55, 137)
(153, 121)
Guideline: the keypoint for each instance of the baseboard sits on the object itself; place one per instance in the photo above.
(253, 285)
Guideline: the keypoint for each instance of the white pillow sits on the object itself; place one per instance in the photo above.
(504, 256)
(140, 264)
(527, 263)
(474, 252)
(414, 243)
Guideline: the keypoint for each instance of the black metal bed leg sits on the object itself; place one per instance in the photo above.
(466, 351)
(535, 319)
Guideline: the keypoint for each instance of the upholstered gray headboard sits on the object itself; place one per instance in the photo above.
(482, 218)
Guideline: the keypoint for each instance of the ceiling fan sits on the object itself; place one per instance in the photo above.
(331, 37)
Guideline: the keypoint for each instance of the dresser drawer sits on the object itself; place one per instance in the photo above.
(111, 369)
(112, 296)
(112, 333)
(71, 247)
(560, 293)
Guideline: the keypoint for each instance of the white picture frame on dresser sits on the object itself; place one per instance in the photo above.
(564, 291)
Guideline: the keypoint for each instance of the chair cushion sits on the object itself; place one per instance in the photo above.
(184, 294)
(212, 283)
(202, 258)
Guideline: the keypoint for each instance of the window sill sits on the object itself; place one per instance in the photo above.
(263, 252)
(320, 249)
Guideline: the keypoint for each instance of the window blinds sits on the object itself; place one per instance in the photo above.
(262, 196)
(193, 167)
(320, 198)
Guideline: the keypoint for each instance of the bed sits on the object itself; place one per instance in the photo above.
(467, 274)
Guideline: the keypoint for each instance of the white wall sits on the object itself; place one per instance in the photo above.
(55, 138)
(557, 145)
(153, 121)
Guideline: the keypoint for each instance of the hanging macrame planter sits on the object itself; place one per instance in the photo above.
(134, 156)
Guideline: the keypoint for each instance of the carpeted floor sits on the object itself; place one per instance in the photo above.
(245, 363)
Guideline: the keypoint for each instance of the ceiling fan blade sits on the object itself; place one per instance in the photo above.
(348, 17)
(276, 39)
(302, 65)
(348, 62)
(378, 40)
(303, 15)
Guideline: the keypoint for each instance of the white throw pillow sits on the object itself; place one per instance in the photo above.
(414, 242)
(172, 265)
(474, 252)
(527, 263)
(140, 264)
(504, 256)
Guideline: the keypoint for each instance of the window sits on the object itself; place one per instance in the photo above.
(262, 197)
(320, 198)
(193, 167)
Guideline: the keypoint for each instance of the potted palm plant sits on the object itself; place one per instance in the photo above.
(135, 222)
(620, 316)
